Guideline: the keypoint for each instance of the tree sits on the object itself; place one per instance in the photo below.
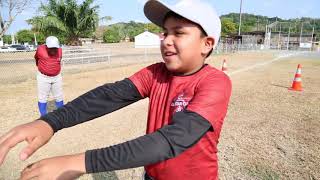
(153, 28)
(7, 39)
(98, 34)
(9, 10)
(133, 29)
(67, 20)
(25, 36)
(112, 35)
(228, 27)
(41, 38)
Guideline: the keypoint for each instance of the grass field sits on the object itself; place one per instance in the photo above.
(269, 132)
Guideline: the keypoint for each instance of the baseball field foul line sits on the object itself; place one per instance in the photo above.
(265, 63)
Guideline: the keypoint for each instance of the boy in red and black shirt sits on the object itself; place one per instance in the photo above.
(188, 102)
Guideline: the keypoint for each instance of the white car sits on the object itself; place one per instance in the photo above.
(7, 49)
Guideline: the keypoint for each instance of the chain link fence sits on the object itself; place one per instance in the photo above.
(19, 66)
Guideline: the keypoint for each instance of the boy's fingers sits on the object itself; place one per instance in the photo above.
(5, 136)
(30, 149)
(8, 143)
(31, 167)
(30, 173)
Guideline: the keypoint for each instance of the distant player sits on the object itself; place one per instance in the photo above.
(48, 60)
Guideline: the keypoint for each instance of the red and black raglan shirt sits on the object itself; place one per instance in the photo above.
(185, 117)
(48, 65)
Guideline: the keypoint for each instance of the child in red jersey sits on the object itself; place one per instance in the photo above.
(188, 101)
(48, 60)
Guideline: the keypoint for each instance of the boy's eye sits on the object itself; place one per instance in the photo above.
(179, 33)
(162, 36)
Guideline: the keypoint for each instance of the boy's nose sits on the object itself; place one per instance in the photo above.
(167, 40)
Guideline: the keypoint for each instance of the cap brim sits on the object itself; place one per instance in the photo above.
(52, 46)
(156, 11)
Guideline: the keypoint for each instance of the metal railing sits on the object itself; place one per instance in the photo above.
(19, 66)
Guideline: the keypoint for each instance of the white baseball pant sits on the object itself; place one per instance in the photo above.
(47, 84)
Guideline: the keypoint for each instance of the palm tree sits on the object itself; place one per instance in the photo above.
(67, 19)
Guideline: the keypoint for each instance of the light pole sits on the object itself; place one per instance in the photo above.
(279, 38)
(288, 42)
(35, 39)
(301, 33)
(239, 32)
(312, 38)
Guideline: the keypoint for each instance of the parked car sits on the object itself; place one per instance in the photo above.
(20, 47)
(7, 49)
(32, 47)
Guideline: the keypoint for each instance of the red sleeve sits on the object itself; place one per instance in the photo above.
(36, 56)
(211, 99)
(143, 80)
(60, 53)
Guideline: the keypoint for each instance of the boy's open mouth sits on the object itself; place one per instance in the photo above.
(169, 53)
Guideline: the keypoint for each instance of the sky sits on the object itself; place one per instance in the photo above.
(132, 10)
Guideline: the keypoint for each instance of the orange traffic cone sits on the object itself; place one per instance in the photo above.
(224, 66)
(296, 85)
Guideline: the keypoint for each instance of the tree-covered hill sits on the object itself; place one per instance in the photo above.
(251, 22)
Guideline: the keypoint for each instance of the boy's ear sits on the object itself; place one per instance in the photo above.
(207, 45)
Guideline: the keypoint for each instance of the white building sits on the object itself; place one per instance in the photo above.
(86, 40)
(147, 40)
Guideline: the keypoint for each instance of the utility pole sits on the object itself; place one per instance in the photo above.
(279, 38)
(239, 32)
(35, 39)
(312, 38)
(288, 42)
(266, 39)
(301, 33)
(13, 39)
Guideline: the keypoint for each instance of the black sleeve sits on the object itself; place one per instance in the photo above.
(186, 129)
(95, 103)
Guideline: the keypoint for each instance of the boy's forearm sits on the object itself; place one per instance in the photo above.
(78, 162)
(166, 143)
(93, 104)
(135, 153)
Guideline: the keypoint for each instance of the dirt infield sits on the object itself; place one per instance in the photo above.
(269, 133)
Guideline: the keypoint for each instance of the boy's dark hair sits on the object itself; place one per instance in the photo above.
(175, 15)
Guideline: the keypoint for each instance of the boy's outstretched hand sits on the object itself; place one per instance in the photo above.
(36, 133)
(57, 168)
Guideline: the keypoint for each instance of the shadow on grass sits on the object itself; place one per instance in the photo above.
(263, 173)
(281, 86)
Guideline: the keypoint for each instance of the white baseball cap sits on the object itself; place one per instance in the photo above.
(52, 42)
(196, 11)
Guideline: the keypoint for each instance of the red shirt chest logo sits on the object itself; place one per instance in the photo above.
(180, 102)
